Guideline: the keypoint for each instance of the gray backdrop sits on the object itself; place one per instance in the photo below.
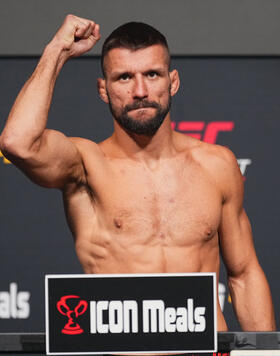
(193, 27)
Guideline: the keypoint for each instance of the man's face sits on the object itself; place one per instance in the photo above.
(138, 87)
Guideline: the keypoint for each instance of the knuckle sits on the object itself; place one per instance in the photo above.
(70, 17)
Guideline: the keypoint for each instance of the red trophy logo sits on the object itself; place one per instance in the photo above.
(72, 306)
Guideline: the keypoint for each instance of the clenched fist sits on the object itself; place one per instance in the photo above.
(77, 35)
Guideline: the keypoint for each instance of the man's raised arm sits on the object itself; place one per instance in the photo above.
(47, 156)
(248, 286)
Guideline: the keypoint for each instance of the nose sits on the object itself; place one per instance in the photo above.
(140, 90)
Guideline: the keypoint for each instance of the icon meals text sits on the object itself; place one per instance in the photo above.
(122, 317)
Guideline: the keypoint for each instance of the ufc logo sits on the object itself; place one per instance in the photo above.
(207, 132)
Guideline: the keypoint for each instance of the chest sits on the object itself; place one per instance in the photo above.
(171, 201)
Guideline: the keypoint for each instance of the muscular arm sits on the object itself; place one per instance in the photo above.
(248, 286)
(47, 156)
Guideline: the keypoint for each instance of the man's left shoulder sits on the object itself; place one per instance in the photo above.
(219, 160)
(223, 155)
(216, 153)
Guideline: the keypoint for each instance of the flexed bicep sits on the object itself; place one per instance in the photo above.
(53, 162)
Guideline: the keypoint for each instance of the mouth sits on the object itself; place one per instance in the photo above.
(141, 109)
(141, 112)
(141, 105)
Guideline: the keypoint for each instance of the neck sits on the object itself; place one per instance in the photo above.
(143, 147)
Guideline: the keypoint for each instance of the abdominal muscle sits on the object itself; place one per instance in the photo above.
(115, 257)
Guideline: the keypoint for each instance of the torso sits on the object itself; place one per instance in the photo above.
(131, 218)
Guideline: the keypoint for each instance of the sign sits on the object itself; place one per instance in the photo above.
(87, 314)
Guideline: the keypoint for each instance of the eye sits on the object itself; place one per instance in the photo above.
(152, 74)
(124, 77)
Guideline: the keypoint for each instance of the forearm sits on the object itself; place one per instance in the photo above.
(28, 117)
(26, 123)
(252, 301)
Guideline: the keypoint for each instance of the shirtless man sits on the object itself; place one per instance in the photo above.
(147, 199)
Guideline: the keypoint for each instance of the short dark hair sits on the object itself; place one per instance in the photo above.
(133, 36)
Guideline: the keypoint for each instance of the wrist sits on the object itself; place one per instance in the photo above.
(56, 53)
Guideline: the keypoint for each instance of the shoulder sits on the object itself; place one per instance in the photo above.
(82, 143)
(87, 149)
(221, 164)
(206, 154)
(94, 156)
(216, 156)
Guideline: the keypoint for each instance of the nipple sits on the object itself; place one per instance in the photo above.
(208, 234)
(118, 223)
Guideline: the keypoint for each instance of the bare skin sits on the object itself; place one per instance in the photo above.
(139, 204)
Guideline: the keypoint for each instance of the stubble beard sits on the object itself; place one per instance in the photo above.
(147, 127)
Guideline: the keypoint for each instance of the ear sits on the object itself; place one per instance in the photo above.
(102, 91)
(175, 82)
